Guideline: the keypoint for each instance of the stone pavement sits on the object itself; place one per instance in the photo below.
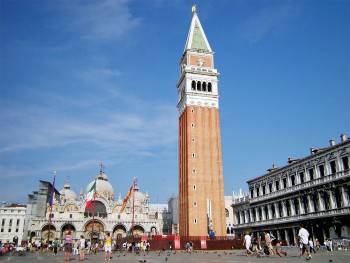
(179, 256)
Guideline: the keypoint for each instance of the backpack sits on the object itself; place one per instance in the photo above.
(86, 244)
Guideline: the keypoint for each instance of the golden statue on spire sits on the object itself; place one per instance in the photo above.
(194, 8)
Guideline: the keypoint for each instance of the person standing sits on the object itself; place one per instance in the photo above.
(55, 246)
(68, 246)
(304, 239)
(75, 249)
(108, 246)
(82, 248)
(247, 242)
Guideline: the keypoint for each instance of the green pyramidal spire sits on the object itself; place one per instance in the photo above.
(196, 38)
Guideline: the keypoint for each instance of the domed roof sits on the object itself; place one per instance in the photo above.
(68, 193)
(103, 187)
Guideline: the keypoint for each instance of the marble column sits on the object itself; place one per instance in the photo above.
(257, 214)
(320, 200)
(301, 206)
(333, 203)
(277, 213)
(286, 236)
(246, 216)
(269, 209)
(263, 213)
(344, 196)
(251, 215)
(284, 209)
(310, 203)
(292, 207)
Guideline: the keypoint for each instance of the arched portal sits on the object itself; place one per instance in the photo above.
(48, 233)
(94, 231)
(65, 229)
(137, 230)
(119, 232)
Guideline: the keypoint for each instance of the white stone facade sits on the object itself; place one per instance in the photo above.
(12, 223)
(313, 190)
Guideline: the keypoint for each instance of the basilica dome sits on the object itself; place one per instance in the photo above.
(67, 193)
(103, 187)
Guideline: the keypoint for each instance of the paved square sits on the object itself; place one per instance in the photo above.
(180, 256)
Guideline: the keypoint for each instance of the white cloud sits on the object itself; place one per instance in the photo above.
(101, 20)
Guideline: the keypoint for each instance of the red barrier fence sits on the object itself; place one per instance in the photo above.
(167, 242)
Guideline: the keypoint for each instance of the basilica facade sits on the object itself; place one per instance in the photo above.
(68, 212)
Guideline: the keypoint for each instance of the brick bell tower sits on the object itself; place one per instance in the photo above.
(201, 184)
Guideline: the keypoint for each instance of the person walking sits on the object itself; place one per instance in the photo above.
(279, 250)
(81, 243)
(268, 241)
(311, 245)
(304, 239)
(247, 242)
(108, 246)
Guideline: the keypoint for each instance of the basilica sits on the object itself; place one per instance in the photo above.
(68, 212)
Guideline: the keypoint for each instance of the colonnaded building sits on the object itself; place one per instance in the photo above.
(69, 213)
(313, 190)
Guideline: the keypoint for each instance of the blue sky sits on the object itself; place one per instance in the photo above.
(91, 82)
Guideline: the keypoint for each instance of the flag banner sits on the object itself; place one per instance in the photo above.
(90, 196)
(53, 190)
(126, 199)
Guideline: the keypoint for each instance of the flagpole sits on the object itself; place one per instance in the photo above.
(93, 213)
(51, 203)
(133, 207)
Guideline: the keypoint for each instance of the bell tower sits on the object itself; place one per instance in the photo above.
(201, 184)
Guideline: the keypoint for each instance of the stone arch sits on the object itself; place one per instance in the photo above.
(48, 232)
(68, 227)
(154, 230)
(94, 230)
(137, 230)
(119, 231)
(99, 207)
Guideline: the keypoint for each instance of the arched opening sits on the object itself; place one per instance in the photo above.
(94, 231)
(119, 232)
(48, 233)
(65, 229)
(204, 86)
(193, 85)
(137, 230)
(199, 86)
(209, 87)
(99, 210)
(32, 234)
(153, 230)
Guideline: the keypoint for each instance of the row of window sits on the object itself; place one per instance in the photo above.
(300, 178)
(3, 222)
(9, 230)
(201, 86)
